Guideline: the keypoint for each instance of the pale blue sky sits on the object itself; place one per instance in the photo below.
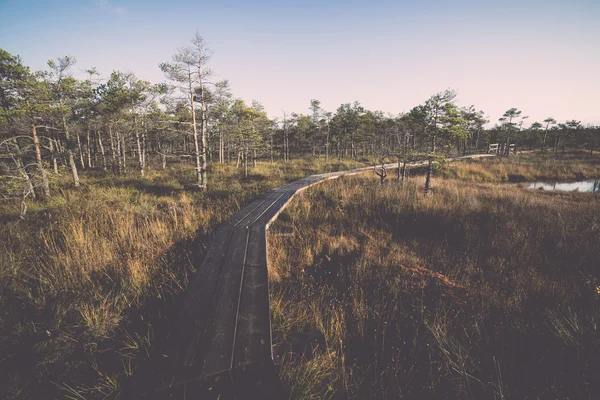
(542, 57)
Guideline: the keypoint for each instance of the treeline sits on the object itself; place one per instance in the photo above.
(51, 121)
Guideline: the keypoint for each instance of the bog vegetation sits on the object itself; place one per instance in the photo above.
(110, 189)
(477, 291)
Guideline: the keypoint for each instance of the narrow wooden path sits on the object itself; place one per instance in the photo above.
(220, 346)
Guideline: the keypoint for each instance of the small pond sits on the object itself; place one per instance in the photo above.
(592, 186)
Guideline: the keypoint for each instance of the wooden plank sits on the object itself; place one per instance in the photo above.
(218, 340)
(253, 333)
(191, 322)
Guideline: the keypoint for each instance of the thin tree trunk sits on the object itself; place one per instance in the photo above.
(121, 155)
(203, 162)
(428, 178)
(271, 147)
(124, 153)
(327, 145)
(221, 147)
(139, 148)
(89, 148)
(53, 150)
(145, 144)
(352, 145)
(113, 149)
(71, 158)
(38, 159)
(23, 208)
(544, 141)
(199, 180)
(245, 161)
(102, 152)
(21, 168)
(81, 160)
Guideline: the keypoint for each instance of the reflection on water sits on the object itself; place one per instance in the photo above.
(583, 186)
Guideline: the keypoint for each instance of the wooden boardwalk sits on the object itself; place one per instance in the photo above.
(220, 346)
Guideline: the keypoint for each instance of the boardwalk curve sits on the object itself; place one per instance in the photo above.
(220, 346)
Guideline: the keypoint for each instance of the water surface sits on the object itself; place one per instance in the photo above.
(592, 186)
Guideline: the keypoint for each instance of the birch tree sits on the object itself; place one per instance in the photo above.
(189, 72)
(62, 85)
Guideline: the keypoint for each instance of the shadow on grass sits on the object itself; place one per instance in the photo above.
(129, 365)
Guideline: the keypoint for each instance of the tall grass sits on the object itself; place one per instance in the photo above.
(89, 269)
(477, 291)
(573, 166)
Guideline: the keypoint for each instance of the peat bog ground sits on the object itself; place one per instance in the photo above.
(479, 290)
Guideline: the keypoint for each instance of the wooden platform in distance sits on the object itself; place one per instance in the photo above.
(220, 346)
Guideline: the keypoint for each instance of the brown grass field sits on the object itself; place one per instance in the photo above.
(91, 279)
(479, 291)
(405, 296)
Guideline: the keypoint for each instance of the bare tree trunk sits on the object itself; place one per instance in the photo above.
(53, 150)
(113, 149)
(327, 145)
(71, 159)
(287, 146)
(428, 178)
(199, 180)
(228, 151)
(121, 155)
(81, 160)
(544, 140)
(102, 152)
(352, 150)
(124, 153)
(271, 147)
(144, 144)
(38, 159)
(245, 161)
(139, 151)
(221, 147)
(23, 208)
(203, 164)
(18, 160)
(89, 148)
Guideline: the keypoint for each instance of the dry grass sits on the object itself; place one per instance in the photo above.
(573, 166)
(89, 268)
(478, 291)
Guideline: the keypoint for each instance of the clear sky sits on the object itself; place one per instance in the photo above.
(542, 57)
